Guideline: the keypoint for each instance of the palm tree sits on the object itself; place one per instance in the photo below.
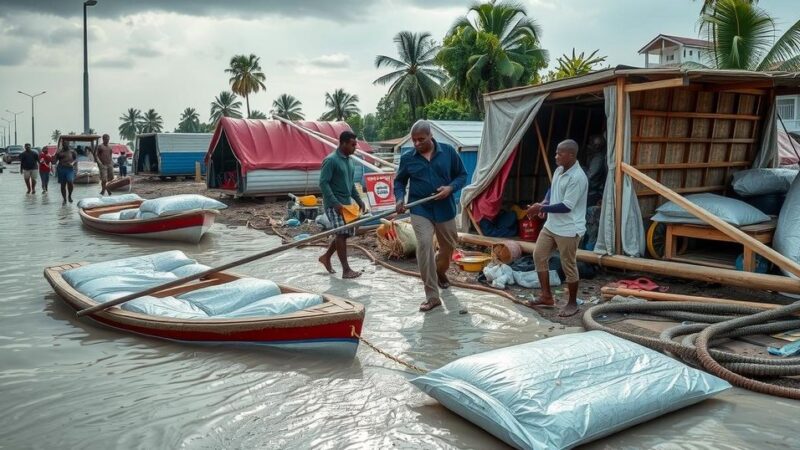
(744, 37)
(152, 122)
(342, 105)
(131, 122)
(225, 105)
(256, 114)
(55, 135)
(288, 107)
(190, 121)
(494, 46)
(415, 75)
(246, 76)
(572, 66)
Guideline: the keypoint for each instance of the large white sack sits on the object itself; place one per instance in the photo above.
(567, 390)
(228, 297)
(763, 181)
(530, 279)
(96, 202)
(110, 216)
(157, 262)
(131, 283)
(190, 269)
(164, 307)
(127, 214)
(731, 210)
(175, 204)
(277, 305)
(786, 240)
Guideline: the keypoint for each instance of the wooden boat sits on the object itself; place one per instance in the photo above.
(119, 184)
(189, 226)
(327, 325)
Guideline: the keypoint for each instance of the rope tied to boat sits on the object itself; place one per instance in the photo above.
(369, 344)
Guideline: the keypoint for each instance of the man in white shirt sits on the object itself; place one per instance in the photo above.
(565, 208)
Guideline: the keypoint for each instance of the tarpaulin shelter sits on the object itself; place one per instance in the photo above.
(268, 157)
(685, 130)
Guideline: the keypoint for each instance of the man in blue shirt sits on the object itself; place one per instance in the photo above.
(338, 189)
(431, 168)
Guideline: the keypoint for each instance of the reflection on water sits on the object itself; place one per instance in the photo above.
(66, 383)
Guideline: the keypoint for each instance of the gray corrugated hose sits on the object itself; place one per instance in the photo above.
(715, 324)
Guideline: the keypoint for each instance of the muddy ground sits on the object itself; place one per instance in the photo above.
(263, 213)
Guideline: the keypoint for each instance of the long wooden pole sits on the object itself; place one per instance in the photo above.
(619, 148)
(670, 297)
(334, 141)
(750, 280)
(724, 227)
(239, 262)
(543, 150)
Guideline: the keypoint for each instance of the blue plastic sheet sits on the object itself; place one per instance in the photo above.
(567, 390)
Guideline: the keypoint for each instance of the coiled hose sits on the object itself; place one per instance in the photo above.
(715, 323)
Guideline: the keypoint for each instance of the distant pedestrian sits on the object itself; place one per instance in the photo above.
(338, 189)
(29, 165)
(122, 162)
(104, 158)
(431, 168)
(565, 207)
(67, 159)
(45, 167)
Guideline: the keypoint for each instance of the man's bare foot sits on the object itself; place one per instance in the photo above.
(429, 304)
(443, 281)
(349, 274)
(63, 203)
(568, 310)
(326, 261)
(70, 199)
(541, 302)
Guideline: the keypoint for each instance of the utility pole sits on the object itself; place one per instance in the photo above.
(86, 70)
(33, 127)
(15, 123)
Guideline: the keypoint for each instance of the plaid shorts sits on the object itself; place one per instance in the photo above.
(337, 221)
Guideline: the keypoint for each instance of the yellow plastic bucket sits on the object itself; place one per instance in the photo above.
(474, 263)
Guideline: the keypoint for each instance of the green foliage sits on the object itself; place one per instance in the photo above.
(151, 122)
(392, 119)
(342, 105)
(256, 114)
(447, 109)
(225, 105)
(414, 77)
(744, 37)
(576, 65)
(495, 46)
(131, 122)
(370, 128)
(246, 76)
(356, 123)
(189, 121)
(55, 135)
(288, 107)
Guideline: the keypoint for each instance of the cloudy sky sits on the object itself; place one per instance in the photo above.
(170, 55)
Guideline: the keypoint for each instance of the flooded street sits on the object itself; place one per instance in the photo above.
(66, 383)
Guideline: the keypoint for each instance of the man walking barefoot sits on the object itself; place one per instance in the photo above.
(565, 207)
(431, 168)
(105, 163)
(29, 166)
(67, 159)
(336, 184)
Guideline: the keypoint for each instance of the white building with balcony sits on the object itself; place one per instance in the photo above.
(665, 51)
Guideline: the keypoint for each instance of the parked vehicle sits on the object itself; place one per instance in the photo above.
(12, 153)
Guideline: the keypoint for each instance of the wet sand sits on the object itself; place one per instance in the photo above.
(67, 383)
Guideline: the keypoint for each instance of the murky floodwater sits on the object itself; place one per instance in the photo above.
(66, 383)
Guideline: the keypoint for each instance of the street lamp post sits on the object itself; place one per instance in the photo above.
(33, 128)
(8, 126)
(15, 124)
(86, 70)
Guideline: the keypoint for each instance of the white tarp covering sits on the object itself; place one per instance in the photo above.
(506, 122)
(633, 241)
(768, 152)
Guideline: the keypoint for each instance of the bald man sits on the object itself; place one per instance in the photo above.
(564, 206)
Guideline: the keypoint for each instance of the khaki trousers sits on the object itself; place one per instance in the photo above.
(429, 263)
(567, 249)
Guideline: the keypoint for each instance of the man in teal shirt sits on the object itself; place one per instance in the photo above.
(336, 184)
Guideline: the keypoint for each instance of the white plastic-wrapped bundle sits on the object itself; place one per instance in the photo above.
(165, 306)
(110, 216)
(175, 204)
(96, 202)
(127, 214)
(277, 305)
(763, 181)
(131, 283)
(567, 390)
(190, 269)
(731, 210)
(157, 262)
(228, 297)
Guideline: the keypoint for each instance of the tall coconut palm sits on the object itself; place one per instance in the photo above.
(55, 135)
(415, 77)
(131, 123)
(494, 46)
(225, 105)
(342, 105)
(743, 37)
(246, 76)
(256, 114)
(189, 121)
(288, 107)
(152, 122)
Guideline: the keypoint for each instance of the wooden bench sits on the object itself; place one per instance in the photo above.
(762, 232)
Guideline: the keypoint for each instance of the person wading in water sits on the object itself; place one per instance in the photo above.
(67, 159)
